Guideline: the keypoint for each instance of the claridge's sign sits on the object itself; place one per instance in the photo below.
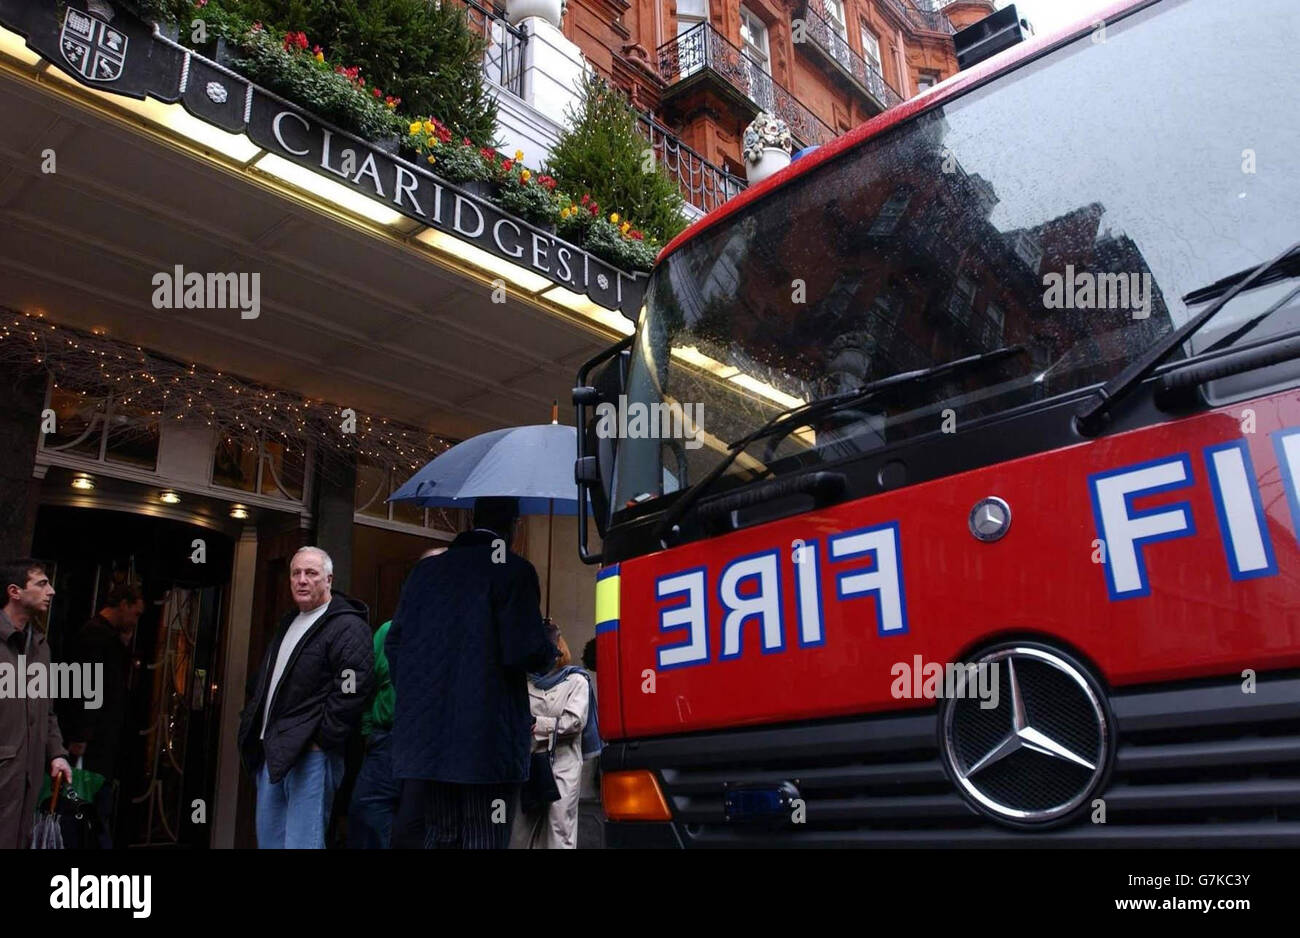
(121, 54)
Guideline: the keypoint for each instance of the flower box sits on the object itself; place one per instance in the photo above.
(484, 189)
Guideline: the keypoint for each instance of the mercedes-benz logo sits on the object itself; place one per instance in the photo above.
(990, 518)
(1042, 751)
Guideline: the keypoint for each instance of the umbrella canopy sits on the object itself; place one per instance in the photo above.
(534, 464)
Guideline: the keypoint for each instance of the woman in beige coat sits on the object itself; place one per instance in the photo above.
(560, 704)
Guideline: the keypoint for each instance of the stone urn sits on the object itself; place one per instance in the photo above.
(766, 147)
(552, 11)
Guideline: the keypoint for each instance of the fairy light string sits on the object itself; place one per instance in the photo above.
(152, 388)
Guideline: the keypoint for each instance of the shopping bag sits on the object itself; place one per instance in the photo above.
(84, 782)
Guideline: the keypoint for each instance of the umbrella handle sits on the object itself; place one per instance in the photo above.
(54, 798)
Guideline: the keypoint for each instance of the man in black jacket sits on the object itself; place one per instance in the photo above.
(310, 693)
(96, 735)
(466, 632)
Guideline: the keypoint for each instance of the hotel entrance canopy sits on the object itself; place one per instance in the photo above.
(125, 155)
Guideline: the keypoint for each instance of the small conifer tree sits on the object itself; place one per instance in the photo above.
(603, 153)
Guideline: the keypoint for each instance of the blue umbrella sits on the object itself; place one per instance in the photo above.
(533, 464)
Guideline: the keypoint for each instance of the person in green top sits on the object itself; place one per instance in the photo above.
(375, 795)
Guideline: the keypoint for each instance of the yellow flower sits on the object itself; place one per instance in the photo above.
(320, 56)
(519, 154)
(625, 226)
(415, 127)
(613, 217)
(525, 175)
(428, 127)
(432, 160)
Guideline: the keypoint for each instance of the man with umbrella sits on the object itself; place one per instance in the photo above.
(467, 631)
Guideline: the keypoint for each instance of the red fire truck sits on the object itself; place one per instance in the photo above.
(949, 489)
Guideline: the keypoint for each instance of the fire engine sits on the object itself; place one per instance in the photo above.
(916, 463)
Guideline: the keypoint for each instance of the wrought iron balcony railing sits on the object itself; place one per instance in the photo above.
(703, 184)
(924, 14)
(503, 62)
(704, 49)
(825, 37)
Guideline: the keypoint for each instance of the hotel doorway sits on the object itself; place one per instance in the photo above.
(168, 744)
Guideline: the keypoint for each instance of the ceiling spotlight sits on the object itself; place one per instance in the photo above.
(83, 481)
(238, 512)
(169, 497)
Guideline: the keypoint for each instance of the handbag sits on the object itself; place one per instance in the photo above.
(539, 789)
(71, 823)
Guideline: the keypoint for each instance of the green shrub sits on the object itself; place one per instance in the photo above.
(426, 54)
(342, 98)
(604, 154)
(523, 192)
(605, 240)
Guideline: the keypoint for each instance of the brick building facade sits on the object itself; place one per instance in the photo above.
(704, 68)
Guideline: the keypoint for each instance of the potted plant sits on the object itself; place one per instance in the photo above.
(525, 194)
(457, 161)
(336, 94)
(766, 147)
(613, 239)
(576, 217)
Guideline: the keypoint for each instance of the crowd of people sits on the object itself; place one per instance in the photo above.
(476, 721)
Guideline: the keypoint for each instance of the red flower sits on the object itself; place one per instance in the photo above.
(595, 209)
(465, 141)
(507, 165)
(637, 236)
(377, 92)
(585, 198)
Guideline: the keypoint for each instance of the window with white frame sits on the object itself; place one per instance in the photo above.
(97, 424)
(839, 37)
(753, 35)
(691, 13)
(835, 13)
(371, 505)
(870, 46)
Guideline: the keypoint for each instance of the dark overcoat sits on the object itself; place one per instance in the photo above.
(468, 629)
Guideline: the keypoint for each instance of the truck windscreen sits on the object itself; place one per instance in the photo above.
(1064, 209)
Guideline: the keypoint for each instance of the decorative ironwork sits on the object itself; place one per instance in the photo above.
(704, 185)
(835, 45)
(924, 14)
(703, 48)
(503, 62)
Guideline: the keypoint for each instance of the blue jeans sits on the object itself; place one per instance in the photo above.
(374, 798)
(292, 814)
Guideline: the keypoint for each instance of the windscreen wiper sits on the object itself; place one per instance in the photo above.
(801, 414)
(1090, 419)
